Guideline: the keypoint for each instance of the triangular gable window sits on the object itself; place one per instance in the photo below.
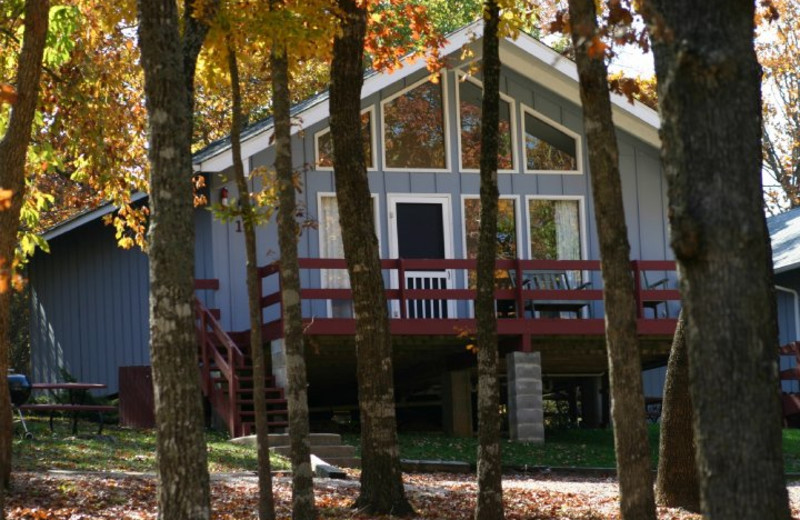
(549, 147)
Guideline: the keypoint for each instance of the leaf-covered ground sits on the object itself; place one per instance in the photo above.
(81, 496)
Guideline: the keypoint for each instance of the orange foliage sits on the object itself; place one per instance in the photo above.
(8, 94)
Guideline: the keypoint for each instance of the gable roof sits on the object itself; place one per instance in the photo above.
(526, 55)
(784, 231)
(86, 216)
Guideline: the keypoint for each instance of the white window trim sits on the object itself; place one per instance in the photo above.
(445, 114)
(321, 239)
(372, 142)
(462, 76)
(578, 144)
(584, 231)
(518, 223)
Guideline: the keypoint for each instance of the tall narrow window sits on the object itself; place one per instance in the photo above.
(325, 143)
(331, 247)
(548, 147)
(554, 229)
(470, 98)
(414, 129)
(506, 235)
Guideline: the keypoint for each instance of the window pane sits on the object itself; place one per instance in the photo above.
(325, 144)
(331, 247)
(554, 229)
(547, 147)
(506, 234)
(470, 97)
(414, 129)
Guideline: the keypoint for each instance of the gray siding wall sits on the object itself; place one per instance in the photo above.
(787, 320)
(644, 192)
(89, 304)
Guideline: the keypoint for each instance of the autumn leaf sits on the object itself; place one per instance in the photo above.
(8, 94)
(5, 199)
(597, 48)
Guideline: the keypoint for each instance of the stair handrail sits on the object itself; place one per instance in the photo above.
(227, 365)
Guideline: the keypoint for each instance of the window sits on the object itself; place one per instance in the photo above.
(414, 129)
(555, 231)
(325, 143)
(549, 147)
(506, 235)
(470, 97)
(330, 246)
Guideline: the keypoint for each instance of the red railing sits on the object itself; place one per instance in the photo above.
(220, 359)
(514, 287)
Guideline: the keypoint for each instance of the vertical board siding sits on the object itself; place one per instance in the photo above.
(643, 190)
(89, 307)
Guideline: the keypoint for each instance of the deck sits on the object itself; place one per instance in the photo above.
(441, 306)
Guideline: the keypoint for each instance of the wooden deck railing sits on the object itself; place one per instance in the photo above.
(218, 350)
(514, 290)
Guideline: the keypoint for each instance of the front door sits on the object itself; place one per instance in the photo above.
(421, 229)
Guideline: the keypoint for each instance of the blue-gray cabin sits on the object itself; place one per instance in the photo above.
(89, 298)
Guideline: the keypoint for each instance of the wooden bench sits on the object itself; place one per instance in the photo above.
(72, 408)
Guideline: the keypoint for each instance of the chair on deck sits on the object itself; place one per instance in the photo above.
(552, 281)
(653, 305)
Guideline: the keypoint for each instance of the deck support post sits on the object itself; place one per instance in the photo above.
(591, 402)
(525, 407)
(278, 352)
(457, 403)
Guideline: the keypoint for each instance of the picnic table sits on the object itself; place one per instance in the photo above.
(76, 392)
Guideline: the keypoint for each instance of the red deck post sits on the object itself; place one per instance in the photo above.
(401, 285)
(637, 284)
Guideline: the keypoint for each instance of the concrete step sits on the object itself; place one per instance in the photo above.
(325, 446)
(326, 453)
(317, 439)
(282, 439)
(344, 462)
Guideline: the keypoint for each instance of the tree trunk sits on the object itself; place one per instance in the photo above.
(266, 502)
(625, 370)
(709, 99)
(168, 62)
(288, 231)
(381, 479)
(13, 150)
(489, 505)
(676, 484)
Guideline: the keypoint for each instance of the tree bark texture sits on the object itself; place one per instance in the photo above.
(710, 105)
(676, 483)
(622, 344)
(13, 150)
(288, 231)
(381, 479)
(489, 505)
(266, 501)
(183, 491)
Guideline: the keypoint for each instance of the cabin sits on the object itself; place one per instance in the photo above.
(421, 138)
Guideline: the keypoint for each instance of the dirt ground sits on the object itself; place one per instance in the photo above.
(78, 496)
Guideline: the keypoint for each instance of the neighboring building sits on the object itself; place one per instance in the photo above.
(784, 229)
(90, 299)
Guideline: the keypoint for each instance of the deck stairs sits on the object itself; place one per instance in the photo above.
(227, 378)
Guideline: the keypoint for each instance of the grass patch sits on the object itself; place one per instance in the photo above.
(581, 448)
(565, 448)
(118, 449)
